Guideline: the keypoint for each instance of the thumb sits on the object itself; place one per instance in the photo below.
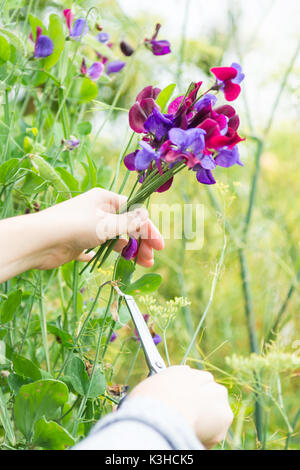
(112, 225)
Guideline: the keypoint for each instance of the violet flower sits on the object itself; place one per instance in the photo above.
(228, 157)
(113, 337)
(145, 157)
(94, 71)
(103, 37)
(228, 80)
(114, 66)
(131, 249)
(43, 46)
(158, 47)
(80, 27)
(158, 124)
(71, 144)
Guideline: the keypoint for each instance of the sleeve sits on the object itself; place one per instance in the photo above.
(141, 424)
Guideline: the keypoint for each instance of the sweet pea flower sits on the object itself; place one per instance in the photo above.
(71, 143)
(143, 107)
(131, 249)
(113, 337)
(205, 103)
(228, 157)
(145, 157)
(114, 66)
(103, 37)
(204, 176)
(161, 47)
(158, 124)
(94, 71)
(80, 27)
(228, 80)
(126, 48)
(43, 45)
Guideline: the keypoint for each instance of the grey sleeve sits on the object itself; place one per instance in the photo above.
(141, 424)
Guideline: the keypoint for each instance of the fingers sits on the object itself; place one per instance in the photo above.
(108, 201)
(145, 254)
(150, 233)
(85, 256)
(112, 225)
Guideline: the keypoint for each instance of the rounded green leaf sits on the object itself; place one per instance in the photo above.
(81, 382)
(145, 285)
(84, 128)
(10, 306)
(50, 435)
(25, 367)
(4, 50)
(88, 90)
(8, 170)
(38, 399)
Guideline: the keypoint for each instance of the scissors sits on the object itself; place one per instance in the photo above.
(154, 360)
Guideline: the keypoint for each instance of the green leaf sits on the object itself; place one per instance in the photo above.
(165, 95)
(15, 382)
(90, 179)
(25, 367)
(4, 50)
(145, 285)
(48, 173)
(5, 420)
(10, 306)
(56, 34)
(8, 170)
(80, 380)
(64, 337)
(50, 435)
(13, 39)
(38, 399)
(69, 179)
(124, 271)
(84, 128)
(88, 90)
(124, 317)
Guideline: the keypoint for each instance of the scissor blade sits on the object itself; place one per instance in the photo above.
(154, 360)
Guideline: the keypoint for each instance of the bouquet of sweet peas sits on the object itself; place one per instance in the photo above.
(193, 134)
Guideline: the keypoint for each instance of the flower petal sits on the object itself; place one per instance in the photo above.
(160, 47)
(103, 37)
(131, 249)
(43, 47)
(115, 66)
(164, 187)
(205, 176)
(79, 29)
(231, 91)
(224, 73)
(69, 18)
(227, 158)
(137, 117)
(95, 70)
(129, 161)
(148, 92)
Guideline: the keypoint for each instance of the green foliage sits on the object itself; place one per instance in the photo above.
(80, 381)
(145, 285)
(10, 306)
(50, 435)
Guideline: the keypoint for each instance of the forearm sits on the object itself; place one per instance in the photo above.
(22, 239)
(142, 424)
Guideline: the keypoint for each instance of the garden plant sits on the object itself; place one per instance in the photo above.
(93, 98)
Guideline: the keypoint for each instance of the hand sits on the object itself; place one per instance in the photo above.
(196, 396)
(63, 232)
(90, 219)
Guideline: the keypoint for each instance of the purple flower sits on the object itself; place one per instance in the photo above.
(204, 176)
(228, 157)
(240, 75)
(145, 156)
(103, 37)
(131, 249)
(158, 124)
(43, 44)
(157, 339)
(95, 70)
(228, 80)
(126, 48)
(113, 337)
(205, 103)
(72, 143)
(160, 47)
(80, 27)
(114, 66)
(129, 161)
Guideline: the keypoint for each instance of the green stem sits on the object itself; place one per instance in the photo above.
(43, 323)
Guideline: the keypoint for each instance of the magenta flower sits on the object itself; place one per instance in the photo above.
(228, 80)
(80, 27)
(161, 47)
(131, 249)
(143, 107)
(94, 71)
(43, 46)
(114, 66)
